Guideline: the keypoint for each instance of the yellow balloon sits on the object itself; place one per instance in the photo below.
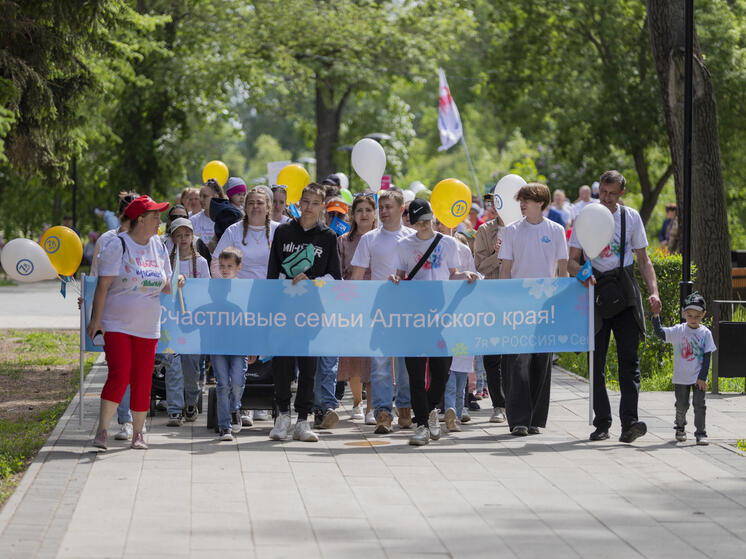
(451, 200)
(215, 170)
(64, 249)
(296, 178)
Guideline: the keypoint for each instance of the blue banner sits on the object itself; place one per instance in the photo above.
(372, 318)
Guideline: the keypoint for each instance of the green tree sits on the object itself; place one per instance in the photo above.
(580, 74)
(361, 45)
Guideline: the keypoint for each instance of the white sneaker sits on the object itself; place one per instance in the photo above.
(357, 412)
(498, 415)
(282, 425)
(452, 422)
(261, 415)
(125, 433)
(465, 417)
(303, 432)
(421, 436)
(433, 424)
(247, 418)
(370, 418)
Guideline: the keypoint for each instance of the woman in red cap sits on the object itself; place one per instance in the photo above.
(133, 270)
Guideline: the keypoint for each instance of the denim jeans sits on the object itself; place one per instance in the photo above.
(230, 378)
(480, 372)
(182, 381)
(325, 384)
(403, 397)
(455, 390)
(124, 415)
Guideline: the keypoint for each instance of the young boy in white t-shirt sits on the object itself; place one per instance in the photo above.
(441, 264)
(532, 247)
(693, 347)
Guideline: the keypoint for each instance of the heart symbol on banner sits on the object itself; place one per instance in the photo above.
(494, 341)
(562, 339)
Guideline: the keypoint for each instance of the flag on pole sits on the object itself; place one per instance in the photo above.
(449, 121)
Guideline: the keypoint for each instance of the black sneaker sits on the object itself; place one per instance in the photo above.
(318, 417)
(534, 431)
(634, 432)
(191, 413)
(701, 440)
(599, 434)
(175, 420)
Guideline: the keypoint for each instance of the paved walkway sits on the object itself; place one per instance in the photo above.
(478, 493)
(38, 305)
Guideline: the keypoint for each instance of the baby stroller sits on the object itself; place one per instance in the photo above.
(258, 394)
(158, 388)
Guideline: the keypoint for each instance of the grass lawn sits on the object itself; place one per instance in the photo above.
(38, 378)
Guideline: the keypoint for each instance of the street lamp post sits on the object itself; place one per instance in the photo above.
(685, 287)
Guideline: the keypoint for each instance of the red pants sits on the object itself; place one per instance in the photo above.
(130, 360)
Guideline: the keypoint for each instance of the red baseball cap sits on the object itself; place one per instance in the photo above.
(143, 204)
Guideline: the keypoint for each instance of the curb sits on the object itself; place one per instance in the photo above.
(10, 507)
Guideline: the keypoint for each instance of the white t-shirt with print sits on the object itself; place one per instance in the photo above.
(689, 348)
(635, 240)
(255, 253)
(534, 249)
(377, 251)
(133, 300)
(438, 265)
(462, 364)
(204, 227)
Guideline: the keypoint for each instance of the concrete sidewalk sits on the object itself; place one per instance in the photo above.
(478, 493)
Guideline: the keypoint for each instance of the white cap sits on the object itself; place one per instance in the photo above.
(181, 222)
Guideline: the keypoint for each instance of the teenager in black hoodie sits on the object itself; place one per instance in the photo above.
(290, 238)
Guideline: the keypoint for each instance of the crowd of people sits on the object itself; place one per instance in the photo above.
(232, 232)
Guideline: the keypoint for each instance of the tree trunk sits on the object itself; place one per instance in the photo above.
(650, 193)
(328, 120)
(709, 224)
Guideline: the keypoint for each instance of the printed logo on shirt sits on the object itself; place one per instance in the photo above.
(434, 260)
(612, 249)
(546, 239)
(291, 248)
(690, 352)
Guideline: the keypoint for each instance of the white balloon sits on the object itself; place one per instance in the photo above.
(369, 162)
(408, 196)
(25, 261)
(505, 203)
(416, 186)
(344, 182)
(594, 227)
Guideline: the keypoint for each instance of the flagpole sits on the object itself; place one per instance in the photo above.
(473, 174)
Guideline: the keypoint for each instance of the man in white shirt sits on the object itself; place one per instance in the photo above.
(532, 247)
(563, 206)
(584, 199)
(204, 226)
(628, 324)
(377, 252)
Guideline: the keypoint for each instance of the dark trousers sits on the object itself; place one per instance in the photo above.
(527, 381)
(627, 336)
(423, 401)
(682, 406)
(493, 370)
(282, 373)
